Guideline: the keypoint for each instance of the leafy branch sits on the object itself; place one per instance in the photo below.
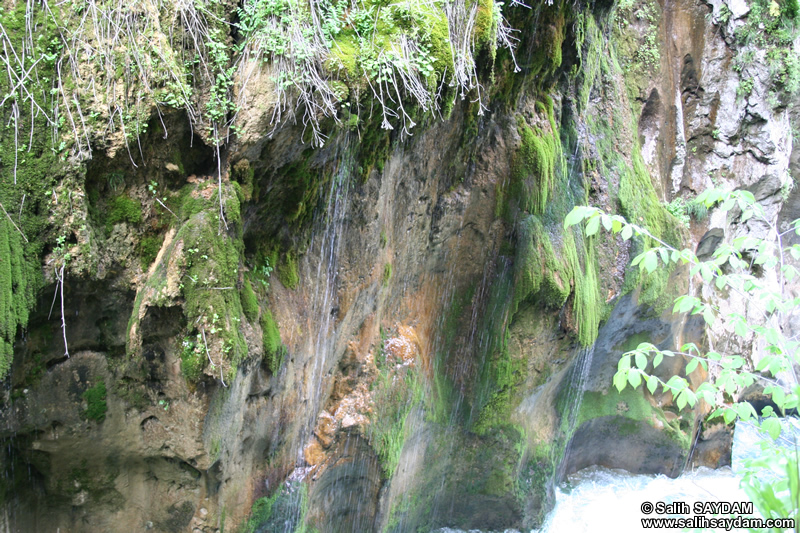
(755, 270)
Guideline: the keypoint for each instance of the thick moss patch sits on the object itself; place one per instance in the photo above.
(123, 209)
(96, 405)
(274, 350)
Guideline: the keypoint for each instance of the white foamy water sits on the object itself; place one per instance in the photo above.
(600, 499)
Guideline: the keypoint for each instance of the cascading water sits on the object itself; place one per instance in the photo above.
(575, 391)
(288, 508)
(327, 237)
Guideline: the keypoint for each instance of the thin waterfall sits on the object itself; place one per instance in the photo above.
(575, 390)
(325, 243)
(327, 237)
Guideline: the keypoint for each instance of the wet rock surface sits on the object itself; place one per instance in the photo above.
(413, 391)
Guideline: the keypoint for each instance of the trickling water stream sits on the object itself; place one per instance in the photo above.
(576, 389)
(289, 507)
(328, 238)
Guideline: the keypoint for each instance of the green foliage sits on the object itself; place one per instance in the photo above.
(260, 513)
(639, 52)
(244, 174)
(210, 263)
(640, 203)
(772, 482)
(96, 406)
(772, 27)
(678, 208)
(249, 301)
(400, 49)
(767, 313)
(15, 298)
(697, 210)
(547, 56)
(27, 178)
(745, 88)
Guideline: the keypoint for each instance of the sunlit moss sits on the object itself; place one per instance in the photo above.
(249, 301)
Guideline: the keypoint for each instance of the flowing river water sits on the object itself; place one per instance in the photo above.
(601, 499)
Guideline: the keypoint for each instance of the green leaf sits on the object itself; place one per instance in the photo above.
(791, 401)
(592, 226)
(690, 397)
(606, 220)
(772, 426)
(634, 378)
(627, 232)
(621, 380)
(664, 255)
(691, 366)
(575, 216)
(641, 361)
(740, 328)
(705, 271)
(737, 361)
(681, 400)
(747, 196)
(729, 415)
(772, 335)
(708, 316)
(616, 225)
(779, 396)
(650, 261)
(684, 304)
(745, 411)
(764, 363)
(657, 359)
(652, 384)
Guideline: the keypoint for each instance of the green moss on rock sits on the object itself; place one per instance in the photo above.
(274, 350)
(249, 301)
(148, 248)
(96, 406)
(193, 359)
(287, 271)
(123, 209)
(395, 395)
(549, 274)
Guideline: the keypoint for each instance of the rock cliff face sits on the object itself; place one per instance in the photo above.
(387, 332)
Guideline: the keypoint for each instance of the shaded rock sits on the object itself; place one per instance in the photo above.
(713, 447)
(709, 243)
(620, 442)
